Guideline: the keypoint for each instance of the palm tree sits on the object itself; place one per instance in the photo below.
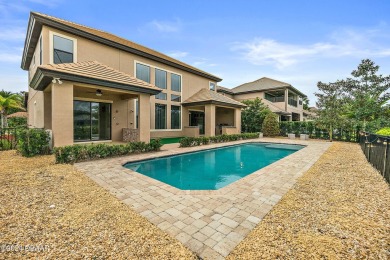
(9, 101)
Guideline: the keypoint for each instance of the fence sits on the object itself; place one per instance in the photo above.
(8, 138)
(376, 149)
(310, 128)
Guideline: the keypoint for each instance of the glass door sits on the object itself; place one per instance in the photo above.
(197, 119)
(92, 121)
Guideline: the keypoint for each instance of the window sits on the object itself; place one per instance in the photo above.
(160, 116)
(212, 86)
(40, 51)
(175, 98)
(92, 121)
(142, 72)
(175, 117)
(161, 78)
(175, 82)
(161, 96)
(33, 61)
(63, 50)
(136, 113)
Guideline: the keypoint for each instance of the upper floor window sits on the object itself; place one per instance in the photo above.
(162, 96)
(161, 78)
(175, 82)
(212, 86)
(175, 98)
(62, 50)
(142, 72)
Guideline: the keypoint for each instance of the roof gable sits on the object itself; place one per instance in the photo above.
(206, 96)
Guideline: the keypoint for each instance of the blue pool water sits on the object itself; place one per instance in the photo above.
(212, 169)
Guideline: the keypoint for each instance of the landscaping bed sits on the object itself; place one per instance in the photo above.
(339, 209)
(66, 214)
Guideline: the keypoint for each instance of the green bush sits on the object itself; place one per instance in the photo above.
(271, 125)
(196, 141)
(33, 142)
(79, 153)
(384, 131)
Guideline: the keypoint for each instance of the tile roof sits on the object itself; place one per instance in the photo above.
(223, 89)
(96, 70)
(18, 114)
(209, 96)
(263, 83)
(124, 42)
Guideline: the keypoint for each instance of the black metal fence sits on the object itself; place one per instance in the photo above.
(377, 149)
(8, 138)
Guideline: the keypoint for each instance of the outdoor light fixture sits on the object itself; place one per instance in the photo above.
(99, 93)
(57, 80)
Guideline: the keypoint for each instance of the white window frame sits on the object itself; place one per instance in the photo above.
(51, 45)
(167, 102)
(215, 86)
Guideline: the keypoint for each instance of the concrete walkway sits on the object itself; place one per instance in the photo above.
(210, 223)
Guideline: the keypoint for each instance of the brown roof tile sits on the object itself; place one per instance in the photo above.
(210, 96)
(96, 70)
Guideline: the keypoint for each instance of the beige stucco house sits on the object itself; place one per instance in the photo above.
(87, 85)
(281, 98)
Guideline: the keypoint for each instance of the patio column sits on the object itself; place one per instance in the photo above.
(209, 120)
(144, 117)
(237, 119)
(62, 113)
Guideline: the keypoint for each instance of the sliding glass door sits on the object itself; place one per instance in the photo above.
(92, 121)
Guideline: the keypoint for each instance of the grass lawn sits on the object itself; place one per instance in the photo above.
(339, 209)
(171, 140)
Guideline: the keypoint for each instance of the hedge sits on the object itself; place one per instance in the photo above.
(384, 131)
(315, 132)
(33, 141)
(196, 141)
(79, 153)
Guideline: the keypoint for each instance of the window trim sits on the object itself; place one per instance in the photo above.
(181, 118)
(135, 71)
(51, 45)
(215, 86)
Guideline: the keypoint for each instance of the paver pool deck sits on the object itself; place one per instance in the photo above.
(210, 223)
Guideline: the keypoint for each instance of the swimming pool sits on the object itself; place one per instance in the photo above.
(214, 168)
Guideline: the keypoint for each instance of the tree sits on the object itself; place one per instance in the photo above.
(9, 101)
(253, 115)
(367, 95)
(271, 125)
(330, 103)
(305, 103)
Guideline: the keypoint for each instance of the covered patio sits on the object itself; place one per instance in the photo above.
(210, 114)
(91, 102)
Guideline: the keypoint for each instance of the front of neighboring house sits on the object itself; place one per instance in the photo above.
(87, 85)
(281, 98)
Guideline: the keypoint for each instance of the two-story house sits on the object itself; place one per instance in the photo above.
(281, 98)
(87, 85)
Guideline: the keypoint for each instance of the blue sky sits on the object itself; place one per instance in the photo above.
(299, 42)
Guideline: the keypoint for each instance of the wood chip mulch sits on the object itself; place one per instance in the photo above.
(53, 211)
(339, 209)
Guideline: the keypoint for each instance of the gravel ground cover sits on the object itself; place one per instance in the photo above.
(62, 214)
(339, 209)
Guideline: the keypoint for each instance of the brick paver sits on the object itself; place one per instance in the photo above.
(210, 223)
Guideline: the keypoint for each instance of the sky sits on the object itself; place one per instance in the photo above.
(298, 42)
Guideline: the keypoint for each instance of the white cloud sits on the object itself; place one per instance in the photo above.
(177, 54)
(13, 34)
(352, 43)
(165, 26)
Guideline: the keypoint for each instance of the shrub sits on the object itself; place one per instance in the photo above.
(79, 153)
(271, 125)
(384, 131)
(196, 141)
(33, 142)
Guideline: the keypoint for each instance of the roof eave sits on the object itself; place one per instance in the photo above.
(39, 21)
(268, 89)
(207, 102)
(43, 77)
